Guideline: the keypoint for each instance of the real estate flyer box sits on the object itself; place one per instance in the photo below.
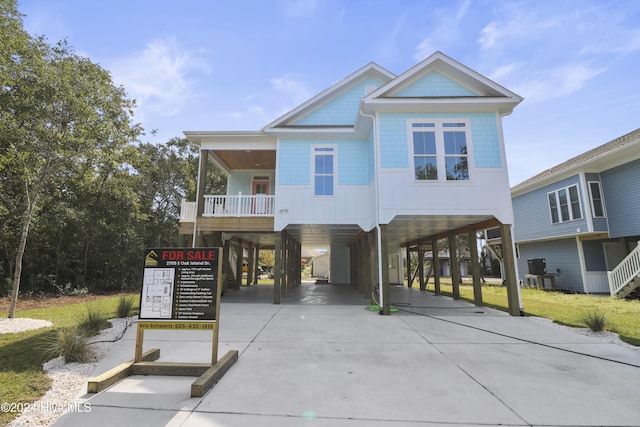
(180, 291)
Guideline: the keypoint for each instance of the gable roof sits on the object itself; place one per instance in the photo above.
(586, 159)
(370, 70)
(487, 95)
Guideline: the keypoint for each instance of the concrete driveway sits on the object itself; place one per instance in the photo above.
(321, 359)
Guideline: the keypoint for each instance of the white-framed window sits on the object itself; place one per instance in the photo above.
(597, 204)
(564, 204)
(323, 170)
(440, 150)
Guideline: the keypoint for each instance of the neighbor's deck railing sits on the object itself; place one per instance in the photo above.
(625, 272)
(230, 206)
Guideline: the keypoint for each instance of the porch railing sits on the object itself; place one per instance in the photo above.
(229, 206)
(625, 272)
(240, 205)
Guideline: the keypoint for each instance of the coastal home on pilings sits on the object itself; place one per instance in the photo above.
(376, 163)
(581, 217)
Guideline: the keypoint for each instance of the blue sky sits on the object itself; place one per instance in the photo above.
(237, 65)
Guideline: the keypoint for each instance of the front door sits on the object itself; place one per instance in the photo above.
(260, 186)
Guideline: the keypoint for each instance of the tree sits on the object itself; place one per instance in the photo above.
(59, 113)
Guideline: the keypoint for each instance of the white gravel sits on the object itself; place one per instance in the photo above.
(68, 380)
(21, 324)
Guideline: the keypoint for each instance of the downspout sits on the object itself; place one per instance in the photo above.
(195, 220)
(377, 210)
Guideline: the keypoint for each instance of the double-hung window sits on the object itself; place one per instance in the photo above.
(564, 204)
(440, 150)
(323, 171)
(597, 207)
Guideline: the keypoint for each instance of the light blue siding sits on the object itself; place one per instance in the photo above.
(562, 260)
(434, 84)
(394, 142)
(620, 188)
(532, 218)
(294, 161)
(341, 110)
(240, 182)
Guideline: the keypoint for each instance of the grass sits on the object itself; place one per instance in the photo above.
(22, 354)
(622, 316)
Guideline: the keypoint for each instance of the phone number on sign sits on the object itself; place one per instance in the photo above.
(55, 408)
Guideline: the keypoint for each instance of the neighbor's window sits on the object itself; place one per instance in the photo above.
(323, 171)
(597, 207)
(440, 151)
(564, 204)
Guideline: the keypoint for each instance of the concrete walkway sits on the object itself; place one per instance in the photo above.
(321, 359)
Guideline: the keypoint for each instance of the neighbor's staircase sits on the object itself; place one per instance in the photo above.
(624, 280)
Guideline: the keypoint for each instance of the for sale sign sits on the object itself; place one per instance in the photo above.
(180, 285)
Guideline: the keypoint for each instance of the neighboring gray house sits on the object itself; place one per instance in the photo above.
(583, 217)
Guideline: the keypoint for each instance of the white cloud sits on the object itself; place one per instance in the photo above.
(161, 78)
(557, 82)
(446, 30)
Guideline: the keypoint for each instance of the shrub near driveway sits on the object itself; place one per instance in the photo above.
(22, 354)
(622, 316)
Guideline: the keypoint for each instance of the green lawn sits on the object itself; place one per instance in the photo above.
(623, 317)
(22, 354)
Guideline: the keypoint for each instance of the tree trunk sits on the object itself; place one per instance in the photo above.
(26, 224)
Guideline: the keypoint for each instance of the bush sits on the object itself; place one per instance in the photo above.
(595, 320)
(93, 322)
(70, 343)
(125, 306)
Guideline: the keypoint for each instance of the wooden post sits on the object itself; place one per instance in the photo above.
(408, 252)
(511, 281)
(423, 285)
(366, 267)
(202, 180)
(239, 263)
(373, 265)
(455, 266)
(277, 273)
(256, 268)
(386, 298)
(250, 263)
(475, 266)
(436, 265)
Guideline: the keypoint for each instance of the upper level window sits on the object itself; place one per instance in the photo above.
(564, 204)
(323, 171)
(440, 151)
(597, 207)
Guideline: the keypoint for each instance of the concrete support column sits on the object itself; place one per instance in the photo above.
(277, 268)
(511, 281)
(475, 266)
(435, 251)
(384, 253)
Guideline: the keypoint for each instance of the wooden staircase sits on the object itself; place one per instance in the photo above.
(624, 280)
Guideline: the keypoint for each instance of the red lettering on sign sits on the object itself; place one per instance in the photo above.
(172, 255)
(201, 255)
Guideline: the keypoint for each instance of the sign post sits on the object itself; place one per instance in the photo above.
(180, 291)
